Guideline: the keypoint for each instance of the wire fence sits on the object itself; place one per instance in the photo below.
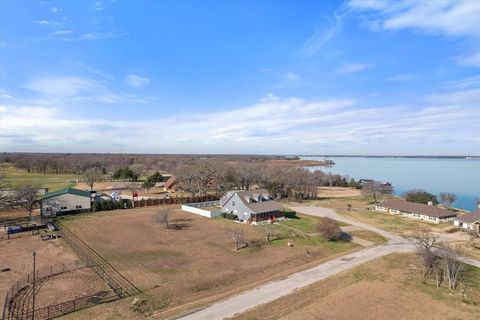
(9, 306)
(66, 307)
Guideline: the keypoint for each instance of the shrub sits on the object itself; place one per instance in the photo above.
(329, 229)
(420, 196)
(290, 214)
(229, 216)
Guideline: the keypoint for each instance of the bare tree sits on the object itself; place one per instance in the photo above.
(27, 196)
(453, 268)
(163, 217)
(376, 188)
(425, 242)
(329, 229)
(238, 237)
(330, 178)
(447, 198)
(268, 232)
(92, 176)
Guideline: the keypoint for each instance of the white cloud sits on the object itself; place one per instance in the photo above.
(62, 89)
(465, 82)
(352, 68)
(44, 22)
(320, 38)
(273, 125)
(269, 97)
(96, 36)
(290, 76)
(98, 6)
(62, 86)
(136, 81)
(56, 9)
(472, 59)
(451, 18)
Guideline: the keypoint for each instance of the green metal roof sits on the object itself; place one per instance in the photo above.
(65, 191)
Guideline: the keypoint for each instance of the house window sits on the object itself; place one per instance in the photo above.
(233, 203)
(63, 208)
(432, 218)
(78, 207)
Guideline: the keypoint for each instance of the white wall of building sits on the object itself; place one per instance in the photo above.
(202, 212)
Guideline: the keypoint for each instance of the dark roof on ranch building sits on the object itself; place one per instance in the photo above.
(65, 191)
(260, 200)
(471, 217)
(424, 209)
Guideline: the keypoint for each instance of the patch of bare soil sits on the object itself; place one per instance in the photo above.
(68, 286)
(16, 254)
(337, 192)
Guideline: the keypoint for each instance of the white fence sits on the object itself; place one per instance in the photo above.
(197, 208)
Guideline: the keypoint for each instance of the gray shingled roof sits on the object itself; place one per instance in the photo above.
(424, 209)
(471, 217)
(261, 206)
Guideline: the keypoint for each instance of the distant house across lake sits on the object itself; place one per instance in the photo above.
(429, 213)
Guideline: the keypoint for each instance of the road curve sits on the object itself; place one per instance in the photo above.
(276, 289)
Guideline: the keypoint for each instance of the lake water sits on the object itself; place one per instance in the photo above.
(459, 176)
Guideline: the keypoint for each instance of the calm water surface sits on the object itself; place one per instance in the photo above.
(460, 176)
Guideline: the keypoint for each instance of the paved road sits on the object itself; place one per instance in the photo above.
(276, 289)
(325, 212)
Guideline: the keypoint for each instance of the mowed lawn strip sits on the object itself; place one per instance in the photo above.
(391, 287)
(304, 223)
(178, 266)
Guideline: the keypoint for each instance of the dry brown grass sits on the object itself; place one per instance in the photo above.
(188, 266)
(387, 288)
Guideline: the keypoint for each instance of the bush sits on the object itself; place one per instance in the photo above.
(290, 214)
(420, 196)
(111, 205)
(329, 229)
(229, 216)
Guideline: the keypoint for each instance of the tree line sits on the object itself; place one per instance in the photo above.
(201, 176)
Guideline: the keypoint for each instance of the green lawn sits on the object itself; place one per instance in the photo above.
(53, 181)
(304, 223)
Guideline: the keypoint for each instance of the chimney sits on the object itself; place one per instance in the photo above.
(430, 203)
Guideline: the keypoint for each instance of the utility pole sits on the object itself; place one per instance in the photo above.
(33, 295)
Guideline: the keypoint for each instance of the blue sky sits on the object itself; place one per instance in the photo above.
(327, 77)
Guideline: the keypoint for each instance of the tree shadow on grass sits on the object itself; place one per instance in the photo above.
(346, 237)
(178, 226)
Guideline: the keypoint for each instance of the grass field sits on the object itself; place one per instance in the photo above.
(388, 288)
(53, 181)
(182, 268)
(304, 223)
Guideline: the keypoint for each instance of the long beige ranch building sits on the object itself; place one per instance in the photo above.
(418, 211)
